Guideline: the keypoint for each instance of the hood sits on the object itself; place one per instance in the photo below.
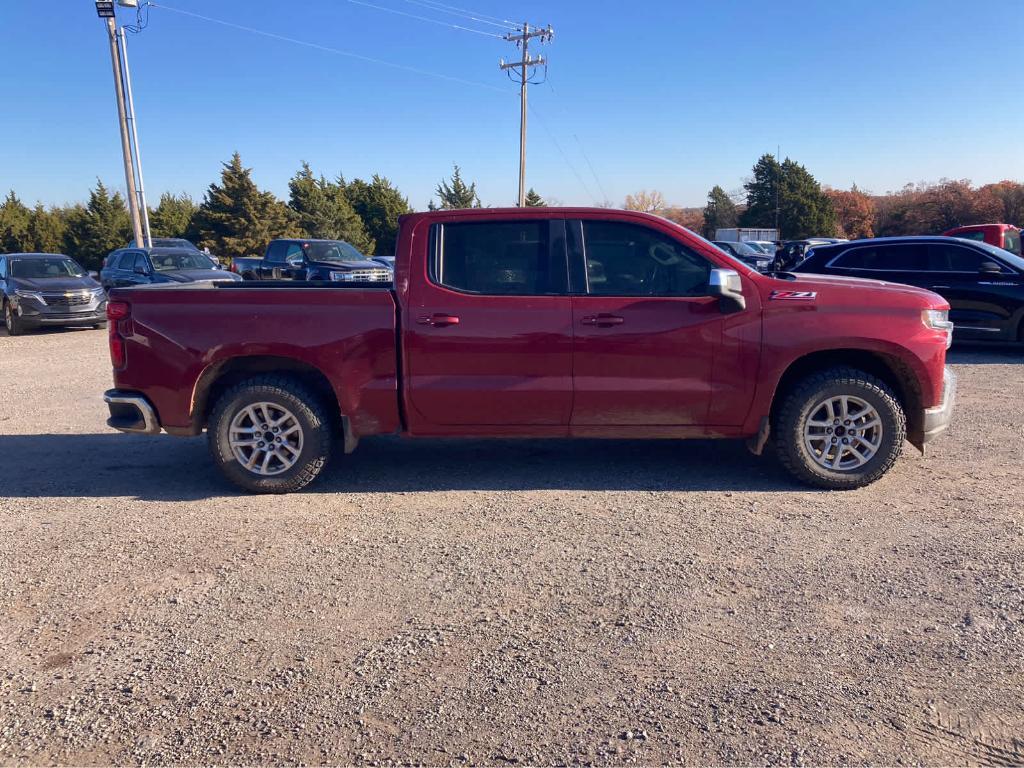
(196, 275)
(50, 284)
(855, 288)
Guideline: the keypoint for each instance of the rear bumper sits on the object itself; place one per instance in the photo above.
(938, 418)
(131, 412)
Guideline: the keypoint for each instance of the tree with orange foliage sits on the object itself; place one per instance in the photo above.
(1011, 195)
(648, 202)
(855, 212)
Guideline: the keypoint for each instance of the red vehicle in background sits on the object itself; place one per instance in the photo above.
(1005, 236)
(537, 322)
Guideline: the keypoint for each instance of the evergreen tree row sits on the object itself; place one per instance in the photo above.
(235, 218)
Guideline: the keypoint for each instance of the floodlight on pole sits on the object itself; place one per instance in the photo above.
(105, 9)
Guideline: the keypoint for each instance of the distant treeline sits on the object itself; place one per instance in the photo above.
(236, 218)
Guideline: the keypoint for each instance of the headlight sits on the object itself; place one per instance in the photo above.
(34, 295)
(938, 320)
(341, 277)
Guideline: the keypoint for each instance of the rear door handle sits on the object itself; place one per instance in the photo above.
(602, 320)
(438, 320)
(940, 286)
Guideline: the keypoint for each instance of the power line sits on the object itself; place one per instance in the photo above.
(579, 143)
(561, 151)
(424, 18)
(462, 14)
(464, 11)
(328, 49)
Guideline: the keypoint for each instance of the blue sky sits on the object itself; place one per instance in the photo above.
(675, 96)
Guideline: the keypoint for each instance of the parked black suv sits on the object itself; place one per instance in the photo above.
(141, 266)
(984, 285)
(49, 289)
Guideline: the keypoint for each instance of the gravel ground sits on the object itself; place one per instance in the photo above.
(446, 602)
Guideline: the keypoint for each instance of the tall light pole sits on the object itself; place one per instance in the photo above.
(122, 90)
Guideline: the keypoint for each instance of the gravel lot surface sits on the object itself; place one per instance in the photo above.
(445, 602)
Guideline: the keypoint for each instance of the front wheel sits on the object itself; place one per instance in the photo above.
(14, 325)
(839, 429)
(270, 434)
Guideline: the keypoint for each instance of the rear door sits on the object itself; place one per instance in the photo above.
(488, 336)
(647, 334)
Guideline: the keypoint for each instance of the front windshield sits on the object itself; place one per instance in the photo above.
(42, 269)
(168, 261)
(757, 247)
(335, 251)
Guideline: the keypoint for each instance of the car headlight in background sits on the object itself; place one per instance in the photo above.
(34, 295)
(938, 320)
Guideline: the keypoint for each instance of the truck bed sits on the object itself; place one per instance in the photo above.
(181, 336)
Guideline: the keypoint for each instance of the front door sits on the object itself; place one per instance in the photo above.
(488, 339)
(983, 304)
(646, 330)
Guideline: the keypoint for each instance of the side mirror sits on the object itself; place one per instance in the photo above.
(990, 268)
(141, 271)
(94, 275)
(294, 261)
(727, 285)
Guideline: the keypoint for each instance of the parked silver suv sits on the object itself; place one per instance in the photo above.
(48, 289)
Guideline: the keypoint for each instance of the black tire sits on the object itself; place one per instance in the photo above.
(15, 327)
(801, 402)
(98, 326)
(286, 393)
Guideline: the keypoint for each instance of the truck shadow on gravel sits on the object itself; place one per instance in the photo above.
(175, 469)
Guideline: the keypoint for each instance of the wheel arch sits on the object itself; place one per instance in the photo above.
(221, 376)
(890, 369)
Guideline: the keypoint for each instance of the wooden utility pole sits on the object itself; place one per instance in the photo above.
(524, 68)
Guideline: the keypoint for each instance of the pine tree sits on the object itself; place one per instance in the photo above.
(804, 210)
(236, 218)
(379, 204)
(324, 211)
(533, 200)
(173, 216)
(454, 194)
(14, 222)
(720, 212)
(98, 228)
(46, 230)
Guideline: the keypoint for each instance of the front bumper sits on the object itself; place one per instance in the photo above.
(131, 412)
(69, 318)
(938, 418)
(34, 313)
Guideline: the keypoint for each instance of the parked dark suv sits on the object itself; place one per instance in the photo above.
(48, 289)
(984, 285)
(142, 266)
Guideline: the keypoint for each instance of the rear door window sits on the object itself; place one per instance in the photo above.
(510, 258)
(276, 251)
(883, 258)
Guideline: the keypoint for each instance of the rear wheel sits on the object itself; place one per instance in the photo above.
(14, 325)
(839, 429)
(270, 434)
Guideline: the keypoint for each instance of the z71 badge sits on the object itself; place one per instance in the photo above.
(793, 295)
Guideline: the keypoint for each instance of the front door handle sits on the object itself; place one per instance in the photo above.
(438, 320)
(602, 320)
(940, 286)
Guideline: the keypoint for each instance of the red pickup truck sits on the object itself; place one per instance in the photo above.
(540, 322)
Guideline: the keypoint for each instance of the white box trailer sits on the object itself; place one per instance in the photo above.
(740, 235)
